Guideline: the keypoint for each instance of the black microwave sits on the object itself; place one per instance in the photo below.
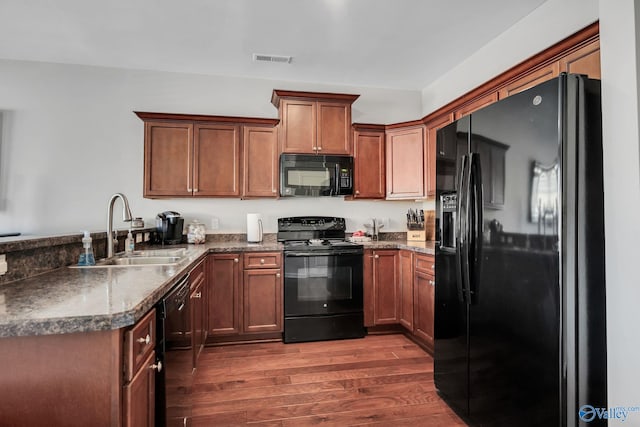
(313, 176)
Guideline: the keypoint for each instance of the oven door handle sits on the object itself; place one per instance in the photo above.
(314, 253)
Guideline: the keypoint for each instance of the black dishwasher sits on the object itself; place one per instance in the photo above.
(174, 382)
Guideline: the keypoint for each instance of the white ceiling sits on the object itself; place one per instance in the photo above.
(401, 44)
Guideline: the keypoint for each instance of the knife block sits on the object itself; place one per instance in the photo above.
(425, 234)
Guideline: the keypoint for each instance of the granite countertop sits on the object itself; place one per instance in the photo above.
(68, 300)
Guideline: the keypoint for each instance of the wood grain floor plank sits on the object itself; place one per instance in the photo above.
(382, 380)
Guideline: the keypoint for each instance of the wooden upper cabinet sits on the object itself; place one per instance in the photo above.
(530, 80)
(260, 161)
(433, 150)
(369, 163)
(476, 104)
(314, 123)
(188, 155)
(584, 60)
(217, 160)
(405, 160)
(334, 128)
(167, 159)
(298, 126)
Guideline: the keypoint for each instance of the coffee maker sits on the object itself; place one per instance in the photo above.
(169, 226)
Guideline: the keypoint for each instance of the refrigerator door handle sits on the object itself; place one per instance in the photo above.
(462, 234)
(476, 225)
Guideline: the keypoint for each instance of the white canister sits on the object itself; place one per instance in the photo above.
(254, 228)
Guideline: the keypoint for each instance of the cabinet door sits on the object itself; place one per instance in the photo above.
(262, 300)
(386, 289)
(585, 60)
(530, 80)
(298, 126)
(260, 161)
(197, 319)
(433, 150)
(405, 163)
(334, 128)
(477, 104)
(406, 288)
(168, 151)
(369, 159)
(224, 294)
(424, 297)
(217, 160)
(368, 288)
(139, 396)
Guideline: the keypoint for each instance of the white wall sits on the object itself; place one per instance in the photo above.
(620, 53)
(69, 140)
(553, 21)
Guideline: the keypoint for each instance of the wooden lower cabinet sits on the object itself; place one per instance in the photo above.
(405, 281)
(262, 300)
(99, 378)
(139, 396)
(424, 298)
(244, 301)
(381, 289)
(224, 294)
(197, 297)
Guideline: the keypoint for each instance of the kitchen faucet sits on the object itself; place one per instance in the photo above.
(126, 216)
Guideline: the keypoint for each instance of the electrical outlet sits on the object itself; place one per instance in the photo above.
(215, 223)
(3, 264)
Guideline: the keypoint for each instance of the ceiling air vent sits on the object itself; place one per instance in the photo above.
(272, 58)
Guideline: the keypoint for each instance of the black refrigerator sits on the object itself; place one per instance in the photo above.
(520, 335)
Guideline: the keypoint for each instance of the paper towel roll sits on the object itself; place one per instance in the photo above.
(254, 228)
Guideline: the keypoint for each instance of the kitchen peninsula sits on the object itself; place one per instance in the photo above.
(67, 333)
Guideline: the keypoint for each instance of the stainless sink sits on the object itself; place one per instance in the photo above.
(152, 260)
(149, 257)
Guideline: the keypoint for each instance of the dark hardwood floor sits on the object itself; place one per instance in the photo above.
(381, 380)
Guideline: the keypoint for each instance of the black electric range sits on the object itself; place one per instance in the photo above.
(323, 280)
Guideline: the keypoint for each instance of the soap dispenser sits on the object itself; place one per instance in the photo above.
(87, 257)
(129, 243)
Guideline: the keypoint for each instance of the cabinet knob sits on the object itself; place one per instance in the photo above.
(262, 261)
(236, 260)
(197, 295)
(195, 190)
(156, 366)
(277, 274)
(357, 192)
(145, 340)
(376, 256)
(319, 148)
(432, 283)
(274, 190)
(433, 266)
(190, 190)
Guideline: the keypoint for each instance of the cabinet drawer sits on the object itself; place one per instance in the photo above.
(140, 341)
(425, 264)
(262, 260)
